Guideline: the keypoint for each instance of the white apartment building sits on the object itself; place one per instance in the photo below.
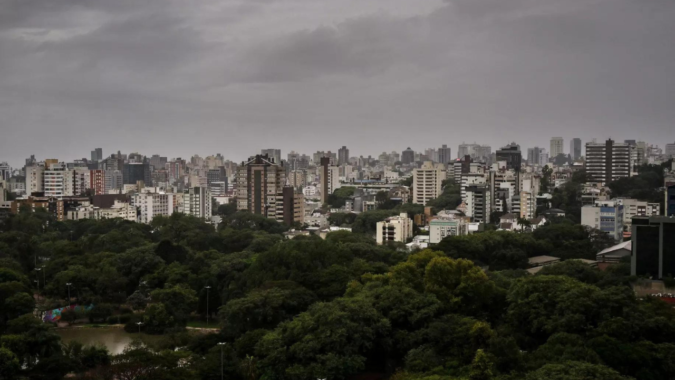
(441, 228)
(478, 203)
(606, 216)
(150, 205)
(471, 179)
(34, 179)
(427, 182)
(121, 210)
(634, 207)
(197, 202)
(396, 228)
(54, 181)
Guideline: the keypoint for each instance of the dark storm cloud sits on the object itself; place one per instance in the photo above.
(179, 77)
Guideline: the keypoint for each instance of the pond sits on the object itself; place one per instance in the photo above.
(114, 339)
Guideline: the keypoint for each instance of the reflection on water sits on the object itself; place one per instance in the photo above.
(114, 339)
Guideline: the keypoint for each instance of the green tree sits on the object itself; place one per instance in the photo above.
(157, 319)
(574, 371)
(138, 301)
(329, 340)
(9, 364)
(179, 301)
(481, 367)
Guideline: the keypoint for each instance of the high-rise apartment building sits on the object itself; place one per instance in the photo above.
(575, 148)
(512, 155)
(477, 152)
(290, 207)
(273, 154)
(113, 180)
(478, 203)
(97, 154)
(653, 245)
(197, 202)
(608, 161)
(408, 156)
(343, 156)
(444, 155)
(606, 216)
(97, 181)
(5, 171)
(259, 181)
(533, 155)
(329, 177)
(157, 162)
(557, 144)
(137, 171)
(150, 205)
(427, 182)
(54, 182)
(669, 193)
(670, 150)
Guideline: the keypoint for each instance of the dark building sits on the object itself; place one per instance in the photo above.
(575, 148)
(607, 162)
(512, 155)
(216, 175)
(217, 181)
(653, 244)
(408, 156)
(158, 162)
(97, 154)
(137, 171)
(444, 155)
(670, 200)
(343, 155)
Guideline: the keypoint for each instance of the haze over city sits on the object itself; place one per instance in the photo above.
(179, 78)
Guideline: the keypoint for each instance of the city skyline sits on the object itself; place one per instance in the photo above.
(20, 162)
(178, 78)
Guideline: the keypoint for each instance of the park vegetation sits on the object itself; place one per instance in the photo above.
(339, 308)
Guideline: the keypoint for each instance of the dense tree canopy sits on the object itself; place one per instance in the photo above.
(311, 308)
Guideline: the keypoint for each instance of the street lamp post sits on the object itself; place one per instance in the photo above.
(68, 285)
(221, 344)
(44, 276)
(37, 278)
(207, 304)
(139, 326)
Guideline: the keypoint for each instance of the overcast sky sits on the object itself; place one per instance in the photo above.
(184, 77)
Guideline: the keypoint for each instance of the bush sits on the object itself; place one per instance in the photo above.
(100, 313)
(119, 319)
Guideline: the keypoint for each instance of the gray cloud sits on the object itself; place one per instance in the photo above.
(179, 78)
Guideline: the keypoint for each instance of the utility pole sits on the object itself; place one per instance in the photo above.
(207, 305)
(221, 344)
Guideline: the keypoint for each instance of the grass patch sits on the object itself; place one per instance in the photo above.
(202, 324)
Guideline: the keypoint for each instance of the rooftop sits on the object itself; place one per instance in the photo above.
(625, 245)
(537, 260)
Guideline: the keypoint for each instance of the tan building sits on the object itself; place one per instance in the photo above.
(396, 228)
(427, 182)
(290, 207)
(330, 178)
(259, 181)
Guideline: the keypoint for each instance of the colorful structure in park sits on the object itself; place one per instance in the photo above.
(55, 314)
